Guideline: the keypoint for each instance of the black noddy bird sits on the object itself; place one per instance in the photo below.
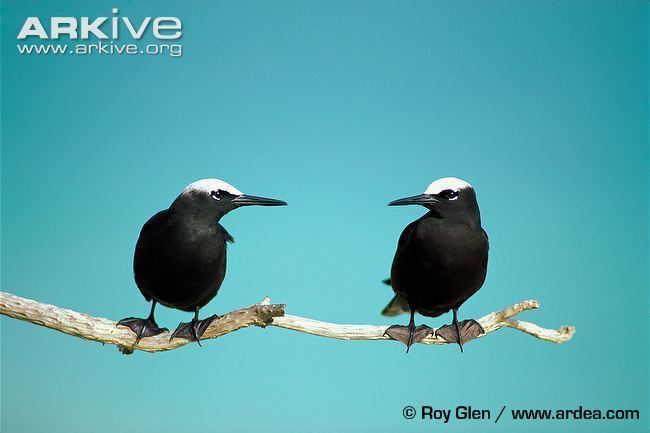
(441, 261)
(180, 256)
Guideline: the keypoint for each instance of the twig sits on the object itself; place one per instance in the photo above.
(262, 314)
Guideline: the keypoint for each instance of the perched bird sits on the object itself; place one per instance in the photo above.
(180, 256)
(441, 261)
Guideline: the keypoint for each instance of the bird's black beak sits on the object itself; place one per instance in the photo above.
(251, 200)
(422, 199)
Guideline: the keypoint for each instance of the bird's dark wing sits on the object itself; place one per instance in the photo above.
(147, 248)
(226, 235)
(487, 248)
(397, 305)
(402, 245)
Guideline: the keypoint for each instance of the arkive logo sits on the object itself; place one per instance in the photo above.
(109, 31)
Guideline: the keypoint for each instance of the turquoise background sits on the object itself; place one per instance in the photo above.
(337, 107)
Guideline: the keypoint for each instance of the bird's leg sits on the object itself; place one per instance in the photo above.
(460, 332)
(455, 321)
(411, 331)
(194, 329)
(408, 334)
(143, 327)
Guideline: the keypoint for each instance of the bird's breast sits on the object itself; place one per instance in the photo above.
(439, 265)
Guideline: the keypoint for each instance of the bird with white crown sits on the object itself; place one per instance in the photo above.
(180, 256)
(440, 262)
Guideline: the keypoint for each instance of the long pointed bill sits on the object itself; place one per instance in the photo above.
(251, 200)
(422, 199)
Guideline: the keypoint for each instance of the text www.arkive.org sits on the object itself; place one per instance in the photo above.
(111, 48)
(471, 413)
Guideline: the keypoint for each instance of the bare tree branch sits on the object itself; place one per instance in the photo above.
(262, 314)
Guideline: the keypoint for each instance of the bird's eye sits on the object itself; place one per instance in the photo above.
(449, 194)
(217, 194)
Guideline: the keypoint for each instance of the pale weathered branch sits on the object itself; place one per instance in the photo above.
(262, 314)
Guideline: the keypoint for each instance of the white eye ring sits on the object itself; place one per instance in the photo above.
(216, 194)
(454, 198)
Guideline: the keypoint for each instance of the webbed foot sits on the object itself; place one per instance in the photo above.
(194, 329)
(408, 334)
(142, 327)
(460, 332)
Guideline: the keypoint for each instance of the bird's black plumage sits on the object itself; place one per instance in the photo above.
(180, 260)
(441, 259)
(180, 256)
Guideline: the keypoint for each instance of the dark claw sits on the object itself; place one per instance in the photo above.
(403, 334)
(469, 330)
(142, 327)
(194, 329)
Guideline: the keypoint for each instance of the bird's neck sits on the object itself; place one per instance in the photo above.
(184, 211)
(471, 219)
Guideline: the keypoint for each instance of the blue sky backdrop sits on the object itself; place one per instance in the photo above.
(336, 107)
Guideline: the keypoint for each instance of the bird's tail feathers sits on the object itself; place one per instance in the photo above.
(395, 307)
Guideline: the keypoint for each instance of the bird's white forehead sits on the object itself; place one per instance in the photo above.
(452, 183)
(209, 185)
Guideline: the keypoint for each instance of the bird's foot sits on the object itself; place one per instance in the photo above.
(408, 335)
(469, 330)
(194, 329)
(142, 327)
